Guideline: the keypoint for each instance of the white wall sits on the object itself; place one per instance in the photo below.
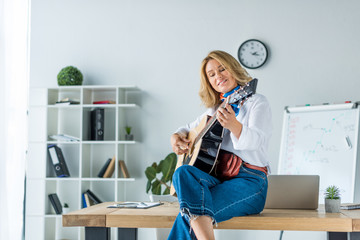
(158, 45)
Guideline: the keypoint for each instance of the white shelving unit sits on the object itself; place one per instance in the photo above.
(84, 158)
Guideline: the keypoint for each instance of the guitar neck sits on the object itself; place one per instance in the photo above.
(240, 95)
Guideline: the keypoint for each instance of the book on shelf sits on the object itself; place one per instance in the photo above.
(350, 206)
(124, 169)
(89, 198)
(93, 197)
(83, 201)
(67, 101)
(103, 169)
(104, 102)
(55, 202)
(58, 161)
(64, 137)
(110, 169)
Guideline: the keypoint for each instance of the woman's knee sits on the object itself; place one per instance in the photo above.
(182, 173)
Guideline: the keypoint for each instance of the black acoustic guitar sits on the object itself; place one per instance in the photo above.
(206, 138)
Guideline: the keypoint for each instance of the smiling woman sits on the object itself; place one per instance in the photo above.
(237, 185)
(14, 22)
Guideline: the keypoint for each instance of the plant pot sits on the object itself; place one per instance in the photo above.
(65, 210)
(162, 198)
(332, 205)
(129, 137)
(162, 233)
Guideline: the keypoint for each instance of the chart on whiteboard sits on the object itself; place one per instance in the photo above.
(319, 143)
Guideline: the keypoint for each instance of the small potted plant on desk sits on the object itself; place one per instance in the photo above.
(159, 179)
(332, 199)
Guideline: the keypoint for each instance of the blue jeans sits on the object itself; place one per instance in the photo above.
(202, 194)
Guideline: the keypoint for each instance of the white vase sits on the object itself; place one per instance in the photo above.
(162, 233)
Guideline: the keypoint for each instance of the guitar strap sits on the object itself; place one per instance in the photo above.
(234, 106)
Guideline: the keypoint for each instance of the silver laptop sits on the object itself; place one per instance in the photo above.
(293, 191)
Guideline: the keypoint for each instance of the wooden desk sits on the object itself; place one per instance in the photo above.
(98, 220)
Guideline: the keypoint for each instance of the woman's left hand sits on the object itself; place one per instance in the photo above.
(227, 119)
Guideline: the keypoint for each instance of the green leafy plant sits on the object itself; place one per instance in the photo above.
(332, 192)
(128, 130)
(160, 175)
(69, 76)
(66, 205)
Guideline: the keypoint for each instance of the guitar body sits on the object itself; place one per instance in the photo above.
(206, 138)
(203, 154)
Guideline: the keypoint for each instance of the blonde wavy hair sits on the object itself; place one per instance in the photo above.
(208, 95)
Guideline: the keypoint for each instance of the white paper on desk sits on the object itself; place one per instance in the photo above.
(141, 205)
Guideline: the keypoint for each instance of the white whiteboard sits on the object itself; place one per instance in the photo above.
(322, 140)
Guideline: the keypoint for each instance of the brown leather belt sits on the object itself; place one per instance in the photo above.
(263, 169)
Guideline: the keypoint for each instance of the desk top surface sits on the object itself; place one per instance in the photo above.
(163, 217)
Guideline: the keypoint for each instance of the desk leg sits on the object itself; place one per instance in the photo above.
(127, 234)
(97, 233)
(343, 236)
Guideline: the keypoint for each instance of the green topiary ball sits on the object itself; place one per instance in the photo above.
(70, 76)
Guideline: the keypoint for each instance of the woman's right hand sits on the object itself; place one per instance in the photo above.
(179, 143)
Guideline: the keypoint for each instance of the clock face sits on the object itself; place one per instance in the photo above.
(252, 53)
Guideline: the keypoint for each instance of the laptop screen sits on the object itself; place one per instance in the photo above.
(293, 191)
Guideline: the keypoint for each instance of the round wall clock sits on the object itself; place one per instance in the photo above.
(252, 53)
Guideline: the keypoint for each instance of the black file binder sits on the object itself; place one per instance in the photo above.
(55, 202)
(57, 158)
(97, 124)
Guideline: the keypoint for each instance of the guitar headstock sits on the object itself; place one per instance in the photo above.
(244, 92)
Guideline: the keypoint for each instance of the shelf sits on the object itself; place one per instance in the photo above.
(84, 158)
(124, 105)
(86, 179)
(63, 142)
(96, 87)
(60, 179)
(128, 105)
(64, 106)
(108, 142)
(46, 215)
(109, 179)
(109, 87)
(86, 142)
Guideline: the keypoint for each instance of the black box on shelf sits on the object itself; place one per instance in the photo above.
(97, 124)
(58, 161)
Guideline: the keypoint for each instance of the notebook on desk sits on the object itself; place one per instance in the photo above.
(293, 191)
(140, 205)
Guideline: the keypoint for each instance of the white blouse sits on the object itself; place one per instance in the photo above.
(252, 146)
